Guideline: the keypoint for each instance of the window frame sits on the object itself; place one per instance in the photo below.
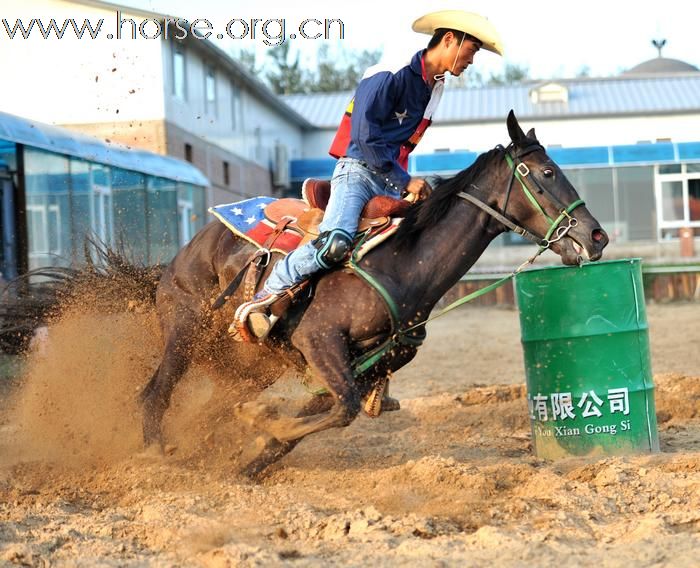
(664, 229)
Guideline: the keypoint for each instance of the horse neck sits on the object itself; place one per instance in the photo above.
(443, 253)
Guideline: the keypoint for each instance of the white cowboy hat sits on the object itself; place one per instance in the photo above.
(467, 22)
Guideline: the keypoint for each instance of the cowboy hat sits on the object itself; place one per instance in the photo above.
(467, 22)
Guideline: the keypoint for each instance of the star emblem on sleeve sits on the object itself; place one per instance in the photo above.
(401, 115)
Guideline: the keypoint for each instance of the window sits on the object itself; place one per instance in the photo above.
(48, 194)
(210, 91)
(44, 223)
(188, 152)
(678, 199)
(161, 212)
(235, 108)
(191, 210)
(102, 215)
(179, 78)
(129, 212)
(672, 201)
(227, 176)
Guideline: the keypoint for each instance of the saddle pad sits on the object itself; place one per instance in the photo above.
(375, 239)
(247, 220)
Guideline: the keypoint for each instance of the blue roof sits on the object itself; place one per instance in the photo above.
(596, 156)
(671, 93)
(63, 141)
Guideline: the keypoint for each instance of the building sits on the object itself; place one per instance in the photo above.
(179, 97)
(57, 187)
(630, 144)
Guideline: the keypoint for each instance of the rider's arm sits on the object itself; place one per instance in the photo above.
(374, 103)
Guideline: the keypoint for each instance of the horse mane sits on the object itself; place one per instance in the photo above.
(429, 212)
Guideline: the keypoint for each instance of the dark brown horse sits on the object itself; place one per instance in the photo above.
(440, 239)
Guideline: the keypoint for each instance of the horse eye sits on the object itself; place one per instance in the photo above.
(548, 173)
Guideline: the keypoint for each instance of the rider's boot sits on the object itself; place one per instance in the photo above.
(253, 320)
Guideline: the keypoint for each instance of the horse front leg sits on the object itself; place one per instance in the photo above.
(272, 450)
(329, 361)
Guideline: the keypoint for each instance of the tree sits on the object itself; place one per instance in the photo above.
(512, 74)
(283, 73)
(248, 60)
(340, 72)
(286, 76)
(584, 71)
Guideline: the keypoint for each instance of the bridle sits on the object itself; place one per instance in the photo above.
(521, 173)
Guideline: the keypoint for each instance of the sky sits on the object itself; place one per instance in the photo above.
(551, 38)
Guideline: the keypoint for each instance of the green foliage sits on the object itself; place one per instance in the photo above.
(248, 60)
(341, 73)
(283, 73)
(286, 75)
(472, 77)
(512, 74)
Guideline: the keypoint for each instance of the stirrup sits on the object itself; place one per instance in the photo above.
(254, 329)
(252, 322)
(260, 324)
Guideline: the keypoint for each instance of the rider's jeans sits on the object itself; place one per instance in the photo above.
(352, 186)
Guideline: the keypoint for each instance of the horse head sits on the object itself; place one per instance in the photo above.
(541, 198)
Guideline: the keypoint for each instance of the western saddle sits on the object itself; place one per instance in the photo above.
(305, 215)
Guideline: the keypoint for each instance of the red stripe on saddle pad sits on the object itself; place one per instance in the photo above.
(286, 242)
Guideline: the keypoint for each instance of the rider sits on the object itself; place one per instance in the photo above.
(391, 109)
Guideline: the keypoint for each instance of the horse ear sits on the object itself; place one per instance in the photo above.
(516, 133)
(531, 134)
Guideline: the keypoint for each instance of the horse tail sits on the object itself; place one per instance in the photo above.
(108, 282)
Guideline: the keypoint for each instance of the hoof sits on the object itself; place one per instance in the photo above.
(254, 414)
(262, 452)
(152, 452)
(390, 404)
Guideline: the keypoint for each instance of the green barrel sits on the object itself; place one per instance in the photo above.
(586, 344)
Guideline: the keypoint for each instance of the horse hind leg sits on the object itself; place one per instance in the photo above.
(155, 397)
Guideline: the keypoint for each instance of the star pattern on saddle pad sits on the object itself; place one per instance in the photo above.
(244, 214)
(247, 219)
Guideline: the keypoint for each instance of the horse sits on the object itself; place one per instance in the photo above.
(438, 241)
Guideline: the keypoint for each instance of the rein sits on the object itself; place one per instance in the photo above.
(520, 172)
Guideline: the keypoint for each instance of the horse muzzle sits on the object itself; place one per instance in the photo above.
(582, 243)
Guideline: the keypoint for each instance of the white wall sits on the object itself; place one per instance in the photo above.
(317, 143)
(258, 126)
(567, 133)
(71, 80)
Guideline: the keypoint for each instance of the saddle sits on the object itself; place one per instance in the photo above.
(305, 215)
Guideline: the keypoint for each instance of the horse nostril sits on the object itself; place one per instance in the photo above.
(598, 235)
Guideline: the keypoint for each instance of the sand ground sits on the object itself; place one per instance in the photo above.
(449, 480)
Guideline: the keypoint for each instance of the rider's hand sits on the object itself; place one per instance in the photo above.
(419, 187)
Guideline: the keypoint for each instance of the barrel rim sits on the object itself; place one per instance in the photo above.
(587, 265)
